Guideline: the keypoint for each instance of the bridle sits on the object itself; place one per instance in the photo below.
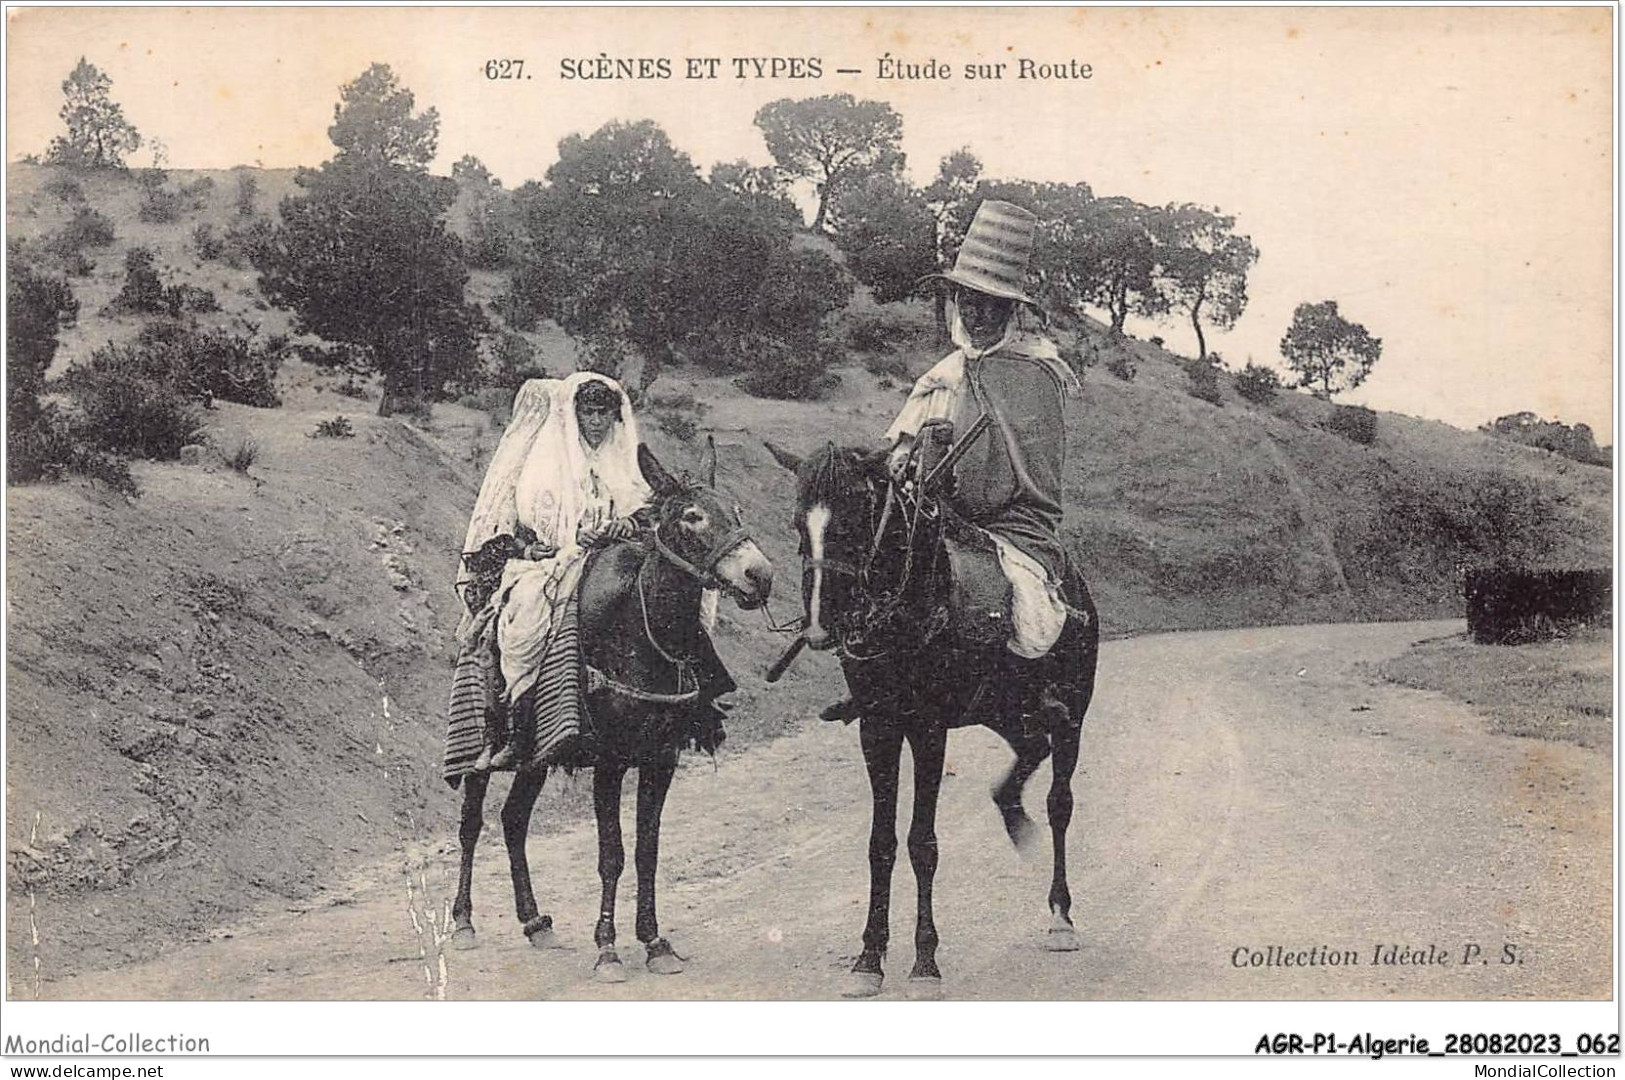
(705, 571)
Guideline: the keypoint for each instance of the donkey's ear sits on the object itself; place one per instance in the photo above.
(659, 480)
(784, 457)
(708, 462)
(874, 464)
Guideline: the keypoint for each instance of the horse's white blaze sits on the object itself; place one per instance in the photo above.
(817, 524)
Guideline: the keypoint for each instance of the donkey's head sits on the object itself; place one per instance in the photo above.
(700, 531)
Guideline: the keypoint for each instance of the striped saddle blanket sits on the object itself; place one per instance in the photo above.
(553, 706)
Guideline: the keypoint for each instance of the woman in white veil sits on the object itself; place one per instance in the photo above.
(564, 477)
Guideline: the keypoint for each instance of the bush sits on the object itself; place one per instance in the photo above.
(1355, 423)
(245, 242)
(891, 367)
(350, 388)
(206, 243)
(86, 229)
(878, 331)
(677, 414)
(336, 428)
(1257, 384)
(248, 186)
(337, 356)
(198, 191)
(179, 299)
(161, 205)
(143, 292)
(1203, 382)
(127, 414)
(243, 454)
(512, 361)
(197, 364)
(779, 375)
(65, 188)
(1121, 364)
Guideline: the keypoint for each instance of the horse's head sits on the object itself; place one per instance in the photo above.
(839, 492)
(702, 533)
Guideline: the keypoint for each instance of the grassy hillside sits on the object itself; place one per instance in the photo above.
(225, 691)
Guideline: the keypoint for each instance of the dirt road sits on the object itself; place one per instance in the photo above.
(1238, 791)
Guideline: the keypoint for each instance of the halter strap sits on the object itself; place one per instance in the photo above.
(706, 575)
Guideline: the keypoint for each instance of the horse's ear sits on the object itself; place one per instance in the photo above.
(784, 457)
(659, 480)
(708, 462)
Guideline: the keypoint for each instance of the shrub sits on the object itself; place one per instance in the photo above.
(198, 191)
(247, 241)
(143, 292)
(336, 428)
(878, 331)
(512, 361)
(127, 414)
(161, 205)
(189, 298)
(677, 425)
(350, 388)
(206, 243)
(334, 356)
(243, 454)
(1203, 382)
(1257, 384)
(197, 364)
(780, 375)
(1355, 423)
(1121, 364)
(893, 367)
(86, 229)
(248, 186)
(65, 188)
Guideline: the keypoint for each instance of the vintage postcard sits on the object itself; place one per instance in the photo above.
(1105, 509)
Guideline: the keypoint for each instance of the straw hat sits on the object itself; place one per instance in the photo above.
(996, 253)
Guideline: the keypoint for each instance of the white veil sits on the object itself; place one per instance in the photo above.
(540, 474)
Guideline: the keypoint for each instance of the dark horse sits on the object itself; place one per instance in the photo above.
(875, 585)
(640, 620)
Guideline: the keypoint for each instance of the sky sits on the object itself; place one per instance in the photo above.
(1443, 174)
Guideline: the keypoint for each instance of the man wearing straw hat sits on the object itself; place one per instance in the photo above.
(1009, 482)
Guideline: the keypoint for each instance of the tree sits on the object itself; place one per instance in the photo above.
(831, 139)
(1329, 353)
(373, 123)
(764, 187)
(1108, 258)
(98, 136)
(365, 257)
(1203, 265)
(641, 261)
(888, 234)
(1577, 442)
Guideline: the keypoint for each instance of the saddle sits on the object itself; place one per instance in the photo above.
(979, 595)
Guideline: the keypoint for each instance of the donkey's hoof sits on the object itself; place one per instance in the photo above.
(663, 959)
(862, 984)
(609, 968)
(539, 932)
(1061, 936)
(462, 939)
(925, 987)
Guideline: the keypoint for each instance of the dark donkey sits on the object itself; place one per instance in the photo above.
(875, 586)
(639, 618)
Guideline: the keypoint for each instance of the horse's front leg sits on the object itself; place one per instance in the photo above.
(516, 810)
(468, 837)
(1062, 937)
(606, 804)
(928, 747)
(653, 783)
(882, 748)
